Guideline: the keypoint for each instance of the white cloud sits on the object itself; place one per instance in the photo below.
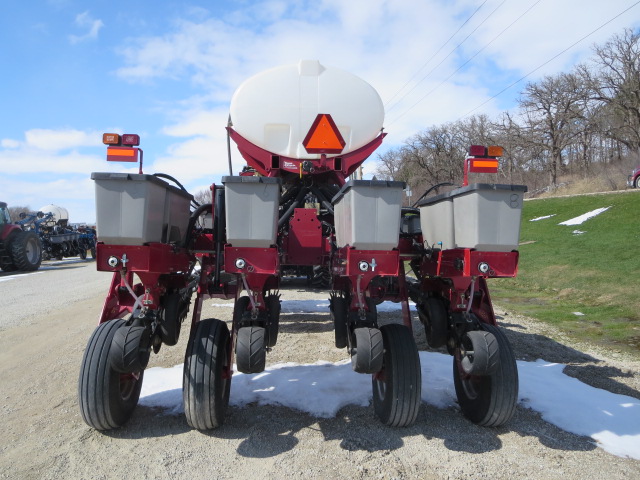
(383, 41)
(86, 22)
(61, 139)
(56, 152)
(9, 143)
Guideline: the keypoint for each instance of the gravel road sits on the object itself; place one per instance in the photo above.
(47, 317)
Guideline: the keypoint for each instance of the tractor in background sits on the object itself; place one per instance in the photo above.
(20, 250)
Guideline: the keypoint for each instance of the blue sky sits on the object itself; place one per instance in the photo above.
(72, 70)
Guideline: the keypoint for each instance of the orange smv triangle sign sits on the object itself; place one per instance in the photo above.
(323, 136)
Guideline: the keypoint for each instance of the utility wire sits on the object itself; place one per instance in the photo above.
(464, 64)
(434, 55)
(550, 60)
(447, 56)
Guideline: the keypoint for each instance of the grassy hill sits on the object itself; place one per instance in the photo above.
(584, 279)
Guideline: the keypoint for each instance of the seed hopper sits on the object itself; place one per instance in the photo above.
(303, 130)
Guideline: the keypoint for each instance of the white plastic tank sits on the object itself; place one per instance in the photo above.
(60, 215)
(276, 108)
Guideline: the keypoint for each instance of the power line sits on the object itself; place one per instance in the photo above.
(465, 63)
(447, 56)
(550, 60)
(434, 55)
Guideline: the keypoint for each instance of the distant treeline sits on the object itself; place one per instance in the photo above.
(570, 123)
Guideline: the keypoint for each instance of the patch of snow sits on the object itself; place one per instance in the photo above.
(583, 218)
(318, 306)
(323, 388)
(542, 218)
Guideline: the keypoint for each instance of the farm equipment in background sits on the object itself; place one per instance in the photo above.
(19, 249)
(303, 130)
(58, 238)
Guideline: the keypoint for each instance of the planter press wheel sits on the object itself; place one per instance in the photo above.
(106, 397)
(369, 353)
(488, 400)
(251, 349)
(206, 381)
(273, 318)
(479, 353)
(433, 315)
(174, 314)
(339, 307)
(251, 339)
(397, 387)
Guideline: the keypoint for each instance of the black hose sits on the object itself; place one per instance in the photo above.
(169, 177)
(443, 184)
(285, 216)
(291, 192)
(320, 196)
(192, 222)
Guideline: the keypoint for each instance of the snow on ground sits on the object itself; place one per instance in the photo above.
(316, 306)
(583, 218)
(542, 218)
(323, 388)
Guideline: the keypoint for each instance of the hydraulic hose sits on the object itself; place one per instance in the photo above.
(299, 197)
(192, 222)
(169, 177)
(323, 200)
(443, 184)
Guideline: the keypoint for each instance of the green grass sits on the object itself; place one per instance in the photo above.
(596, 273)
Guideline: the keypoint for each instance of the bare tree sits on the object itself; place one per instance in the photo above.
(615, 82)
(15, 211)
(203, 196)
(550, 109)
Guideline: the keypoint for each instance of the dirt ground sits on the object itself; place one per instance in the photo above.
(46, 320)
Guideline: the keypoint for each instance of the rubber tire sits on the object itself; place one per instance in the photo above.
(397, 387)
(339, 314)
(433, 316)
(239, 308)
(93, 252)
(273, 319)
(489, 400)
(130, 349)
(369, 352)
(321, 277)
(482, 354)
(106, 398)
(206, 380)
(83, 253)
(172, 320)
(251, 352)
(9, 267)
(636, 183)
(26, 251)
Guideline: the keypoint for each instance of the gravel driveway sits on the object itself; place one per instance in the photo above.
(46, 319)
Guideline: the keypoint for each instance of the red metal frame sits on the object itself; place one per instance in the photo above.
(325, 169)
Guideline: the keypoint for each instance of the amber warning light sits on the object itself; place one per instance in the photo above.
(482, 160)
(122, 148)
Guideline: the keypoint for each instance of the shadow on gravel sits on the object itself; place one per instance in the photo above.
(305, 323)
(268, 431)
